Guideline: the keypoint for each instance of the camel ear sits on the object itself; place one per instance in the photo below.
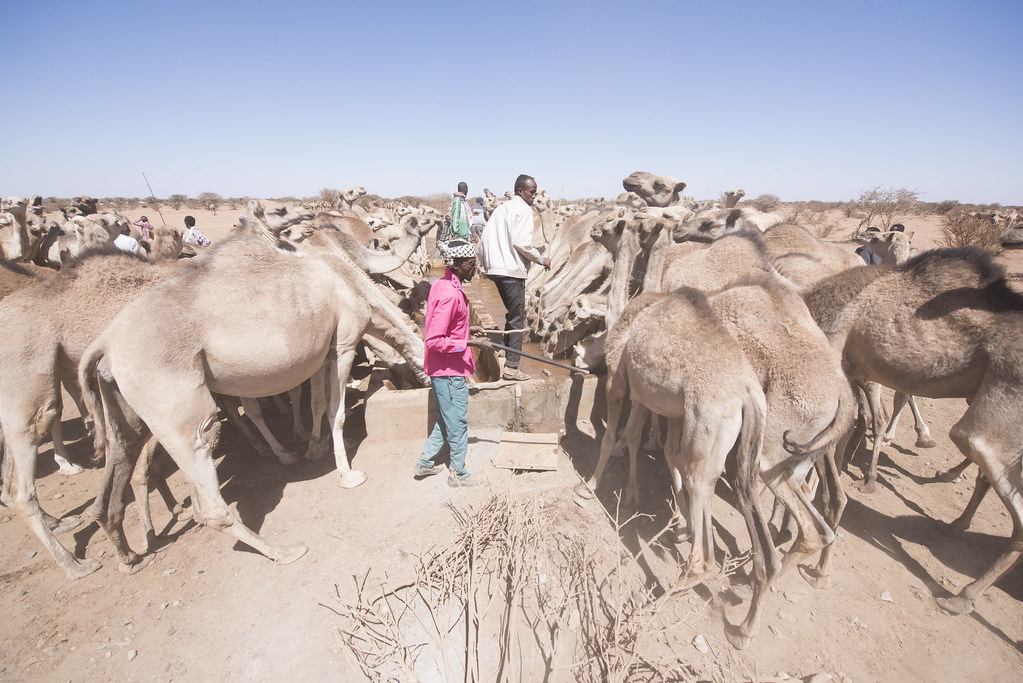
(909, 235)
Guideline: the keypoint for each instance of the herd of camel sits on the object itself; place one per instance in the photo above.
(750, 337)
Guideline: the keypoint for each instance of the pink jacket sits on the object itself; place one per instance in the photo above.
(447, 330)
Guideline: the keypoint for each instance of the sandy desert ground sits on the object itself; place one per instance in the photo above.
(208, 608)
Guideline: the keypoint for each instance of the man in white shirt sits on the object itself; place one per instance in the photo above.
(507, 249)
(125, 242)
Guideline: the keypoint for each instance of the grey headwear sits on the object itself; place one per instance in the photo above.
(457, 249)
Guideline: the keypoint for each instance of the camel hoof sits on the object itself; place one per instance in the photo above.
(814, 577)
(742, 591)
(82, 568)
(582, 489)
(692, 579)
(352, 478)
(682, 535)
(866, 485)
(737, 637)
(289, 555)
(948, 476)
(67, 524)
(69, 468)
(955, 604)
(288, 458)
(925, 442)
(318, 448)
(132, 568)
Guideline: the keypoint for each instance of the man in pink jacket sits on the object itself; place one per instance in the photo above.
(448, 361)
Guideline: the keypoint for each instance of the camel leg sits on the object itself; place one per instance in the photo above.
(191, 447)
(141, 478)
(834, 501)
(869, 482)
(982, 439)
(923, 434)
(632, 436)
(319, 445)
(255, 413)
(953, 473)
(229, 407)
(298, 429)
(20, 495)
(898, 404)
(616, 390)
(680, 515)
(60, 454)
(980, 489)
(342, 367)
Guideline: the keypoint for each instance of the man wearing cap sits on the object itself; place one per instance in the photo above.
(448, 361)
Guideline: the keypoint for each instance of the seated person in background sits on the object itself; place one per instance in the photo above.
(864, 252)
(193, 235)
(145, 227)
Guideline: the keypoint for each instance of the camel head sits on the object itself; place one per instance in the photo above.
(269, 218)
(17, 206)
(708, 226)
(608, 230)
(166, 245)
(378, 222)
(422, 223)
(80, 206)
(352, 194)
(893, 248)
(654, 189)
(630, 200)
(732, 197)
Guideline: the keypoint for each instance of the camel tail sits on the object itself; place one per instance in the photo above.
(748, 447)
(88, 380)
(840, 424)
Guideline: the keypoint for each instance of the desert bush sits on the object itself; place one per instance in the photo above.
(960, 229)
(210, 201)
(330, 197)
(765, 202)
(942, 208)
(885, 205)
(175, 201)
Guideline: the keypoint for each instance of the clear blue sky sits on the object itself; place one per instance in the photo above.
(805, 100)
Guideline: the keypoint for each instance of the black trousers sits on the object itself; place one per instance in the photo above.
(513, 296)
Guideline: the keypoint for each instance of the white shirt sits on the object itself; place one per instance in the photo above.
(507, 241)
(127, 243)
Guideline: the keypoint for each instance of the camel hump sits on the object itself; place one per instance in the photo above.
(957, 267)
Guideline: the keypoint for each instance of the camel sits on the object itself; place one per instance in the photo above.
(21, 234)
(732, 197)
(809, 401)
(156, 367)
(659, 352)
(944, 325)
(48, 325)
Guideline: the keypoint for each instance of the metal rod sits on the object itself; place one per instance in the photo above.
(541, 359)
(157, 202)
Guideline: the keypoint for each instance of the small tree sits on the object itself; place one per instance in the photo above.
(329, 198)
(885, 205)
(210, 201)
(960, 229)
(765, 202)
(175, 201)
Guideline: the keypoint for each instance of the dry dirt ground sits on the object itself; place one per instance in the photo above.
(208, 608)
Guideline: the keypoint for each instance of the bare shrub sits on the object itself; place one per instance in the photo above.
(520, 594)
(886, 205)
(175, 201)
(330, 198)
(960, 229)
(942, 208)
(765, 202)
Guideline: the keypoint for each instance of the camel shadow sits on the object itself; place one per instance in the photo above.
(969, 555)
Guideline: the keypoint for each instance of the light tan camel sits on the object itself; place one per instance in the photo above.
(159, 362)
(670, 353)
(810, 406)
(20, 234)
(47, 327)
(944, 325)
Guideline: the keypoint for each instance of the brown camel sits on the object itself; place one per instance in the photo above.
(944, 325)
(156, 367)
